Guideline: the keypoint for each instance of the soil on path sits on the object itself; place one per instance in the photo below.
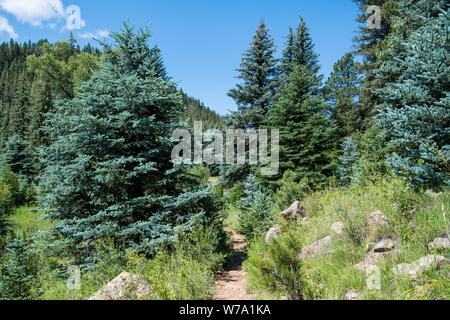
(231, 283)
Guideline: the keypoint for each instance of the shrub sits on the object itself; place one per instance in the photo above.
(257, 210)
(354, 224)
(11, 179)
(201, 174)
(290, 190)
(18, 272)
(5, 210)
(187, 271)
(347, 170)
(236, 194)
(277, 268)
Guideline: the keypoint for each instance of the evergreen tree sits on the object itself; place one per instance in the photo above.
(16, 156)
(18, 113)
(342, 92)
(370, 45)
(108, 169)
(347, 171)
(299, 50)
(18, 273)
(41, 102)
(197, 111)
(259, 73)
(307, 135)
(414, 109)
(6, 206)
(256, 214)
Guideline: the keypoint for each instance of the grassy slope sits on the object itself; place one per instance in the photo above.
(330, 276)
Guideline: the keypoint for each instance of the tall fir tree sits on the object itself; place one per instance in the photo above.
(370, 45)
(108, 171)
(41, 102)
(18, 113)
(415, 107)
(259, 74)
(17, 157)
(307, 136)
(342, 92)
(299, 50)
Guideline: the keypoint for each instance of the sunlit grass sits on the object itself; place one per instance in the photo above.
(28, 220)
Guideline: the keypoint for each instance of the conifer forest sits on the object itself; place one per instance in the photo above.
(119, 183)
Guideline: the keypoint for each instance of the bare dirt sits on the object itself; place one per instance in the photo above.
(231, 283)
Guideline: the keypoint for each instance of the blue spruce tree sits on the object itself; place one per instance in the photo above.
(415, 104)
(347, 171)
(108, 171)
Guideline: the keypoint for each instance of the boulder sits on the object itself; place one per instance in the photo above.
(338, 228)
(353, 295)
(417, 267)
(295, 211)
(125, 286)
(379, 252)
(384, 245)
(272, 233)
(375, 222)
(439, 243)
(317, 248)
(371, 259)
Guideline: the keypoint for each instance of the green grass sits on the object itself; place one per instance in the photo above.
(231, 214)
(330, 276)
(28, 220)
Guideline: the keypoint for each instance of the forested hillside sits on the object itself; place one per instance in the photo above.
(356, 210)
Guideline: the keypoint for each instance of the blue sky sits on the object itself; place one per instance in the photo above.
(202, 41)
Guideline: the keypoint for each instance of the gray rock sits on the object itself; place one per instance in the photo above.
(375, 222)
(433, 194)
(372, 258)
(417, 267)
(295, 211)
(273, 233)
(338, 228)
(353, 295)
(317, 248)
(439, 243)
(125, 286)
(384, 245)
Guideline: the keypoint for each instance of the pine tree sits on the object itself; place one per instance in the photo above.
(307, 136)
(414, 109)
(342, 92)
(108, 169)
(348, 171)
(299, 50)
(259, 73)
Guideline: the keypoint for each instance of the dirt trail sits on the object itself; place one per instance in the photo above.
(231, 283)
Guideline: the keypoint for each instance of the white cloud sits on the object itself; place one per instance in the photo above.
(99, 34)
(6, 27)
(34, 12)
(103, 33)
